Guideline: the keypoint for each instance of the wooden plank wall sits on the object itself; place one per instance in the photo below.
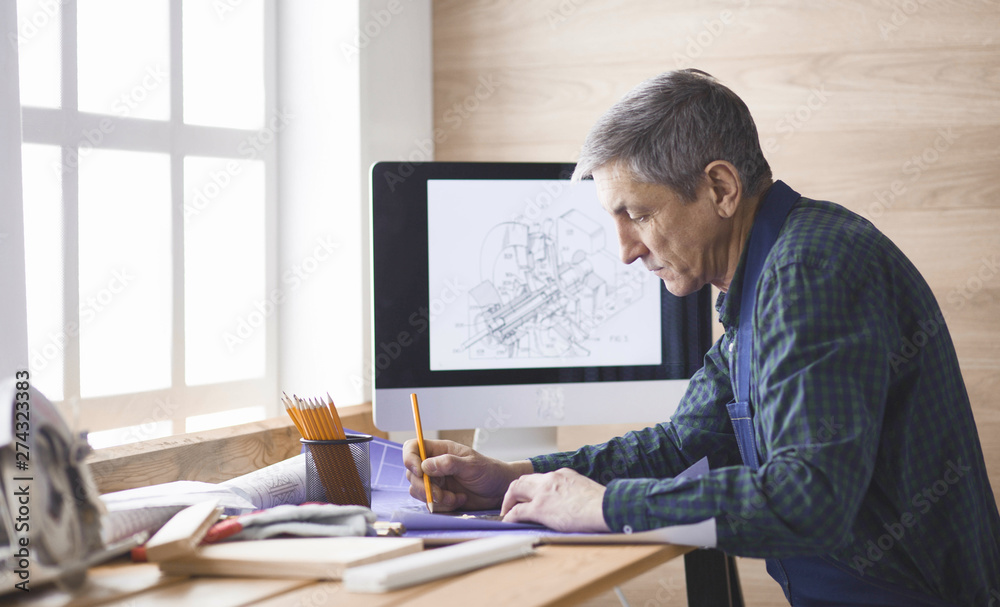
(889, 107)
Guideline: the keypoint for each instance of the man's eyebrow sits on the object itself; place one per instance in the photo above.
(629, 208)
(617, 206)
(619, 209)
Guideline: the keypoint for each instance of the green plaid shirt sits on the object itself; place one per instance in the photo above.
(869, 450)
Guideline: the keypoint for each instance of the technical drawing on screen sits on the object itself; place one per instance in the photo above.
(498, 294)
(532, 271)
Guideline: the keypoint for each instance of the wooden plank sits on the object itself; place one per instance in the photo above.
(955, 251)
(112, 582)
(559, 575)
(888, 168)
(983, 385)
(682, 32)
(873, 171)
(332, 593)
(829, 93)
(217, 592)
(211, 456)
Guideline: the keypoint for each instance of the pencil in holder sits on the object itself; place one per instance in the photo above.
(339, 471)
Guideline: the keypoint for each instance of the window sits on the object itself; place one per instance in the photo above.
(148, 178)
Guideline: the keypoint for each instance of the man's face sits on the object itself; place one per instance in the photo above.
(683, 243)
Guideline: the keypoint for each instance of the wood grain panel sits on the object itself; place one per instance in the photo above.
(900, 124)
(873, 171)
(677, 33)
(958, 253)
(534, 106)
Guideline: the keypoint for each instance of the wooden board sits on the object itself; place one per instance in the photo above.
(305, 558)
(558, 575)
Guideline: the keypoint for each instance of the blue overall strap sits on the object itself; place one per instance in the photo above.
(774, 207)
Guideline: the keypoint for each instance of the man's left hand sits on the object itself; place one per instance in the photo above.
(563, 500)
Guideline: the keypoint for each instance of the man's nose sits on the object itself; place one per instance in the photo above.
(630, 247)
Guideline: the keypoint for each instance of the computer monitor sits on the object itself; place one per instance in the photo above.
(499, 298)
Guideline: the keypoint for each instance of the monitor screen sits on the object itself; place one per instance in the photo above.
(500, 299)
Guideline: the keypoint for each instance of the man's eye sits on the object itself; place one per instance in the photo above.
(640, 218)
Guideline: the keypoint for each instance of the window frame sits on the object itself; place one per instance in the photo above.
(63, 127)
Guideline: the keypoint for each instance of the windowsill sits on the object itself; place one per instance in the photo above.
(210, 456)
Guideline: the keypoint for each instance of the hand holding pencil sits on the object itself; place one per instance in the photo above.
(462, 478)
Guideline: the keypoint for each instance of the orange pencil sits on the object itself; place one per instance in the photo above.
(423, 452)
(291, 413)
(329, 428)
(321, 427)
(307, 419)
(336, 417)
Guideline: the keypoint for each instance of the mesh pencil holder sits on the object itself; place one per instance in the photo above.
(339, 471)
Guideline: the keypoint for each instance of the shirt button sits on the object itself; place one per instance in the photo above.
(627, 529)
(731, 344)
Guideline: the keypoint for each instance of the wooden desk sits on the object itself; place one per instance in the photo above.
(218, 455)
(556, 575)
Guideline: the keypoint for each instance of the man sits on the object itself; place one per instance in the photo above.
(833, 412)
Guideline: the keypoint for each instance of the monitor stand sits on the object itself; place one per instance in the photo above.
(512, 444)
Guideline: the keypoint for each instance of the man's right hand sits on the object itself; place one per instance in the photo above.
(460, 477)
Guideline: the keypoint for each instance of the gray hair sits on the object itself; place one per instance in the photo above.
(670, 127)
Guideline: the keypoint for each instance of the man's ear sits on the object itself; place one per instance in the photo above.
(724, 187)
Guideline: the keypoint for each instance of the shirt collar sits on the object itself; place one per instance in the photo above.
(728, 303)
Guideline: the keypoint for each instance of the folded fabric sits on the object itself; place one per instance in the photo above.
(306, 520)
